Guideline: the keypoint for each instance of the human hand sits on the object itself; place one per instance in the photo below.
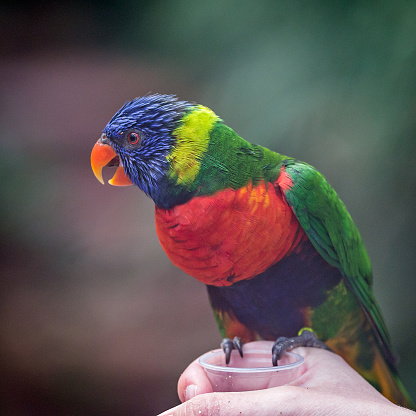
(326, 385)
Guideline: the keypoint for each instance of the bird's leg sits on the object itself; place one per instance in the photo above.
(228, 345)
(306, 338)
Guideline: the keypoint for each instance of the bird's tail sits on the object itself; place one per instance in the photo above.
(378, 372)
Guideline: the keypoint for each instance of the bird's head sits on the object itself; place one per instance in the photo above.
(157, 142)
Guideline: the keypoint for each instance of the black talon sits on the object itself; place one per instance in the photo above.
(227, 346)
(305, 339)
(281, 345)
(238, 345)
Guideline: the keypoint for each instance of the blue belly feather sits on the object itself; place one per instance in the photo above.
(272, 304)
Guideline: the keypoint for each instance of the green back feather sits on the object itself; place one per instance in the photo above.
(331, 230)
(232, 162)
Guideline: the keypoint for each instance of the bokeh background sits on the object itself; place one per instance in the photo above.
(94, 319)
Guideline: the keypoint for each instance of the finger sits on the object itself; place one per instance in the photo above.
(193, 381)
(263, 402)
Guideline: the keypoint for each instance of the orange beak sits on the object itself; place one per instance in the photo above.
(104, 155)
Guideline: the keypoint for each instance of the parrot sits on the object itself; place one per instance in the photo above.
(278, 251)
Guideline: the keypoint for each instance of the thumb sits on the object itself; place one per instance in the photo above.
(193, 381)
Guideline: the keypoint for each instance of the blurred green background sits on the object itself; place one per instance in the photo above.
(94, 319)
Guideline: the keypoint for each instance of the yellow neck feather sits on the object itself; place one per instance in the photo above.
(192, 138)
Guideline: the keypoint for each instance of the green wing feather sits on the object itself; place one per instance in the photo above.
(331, 230)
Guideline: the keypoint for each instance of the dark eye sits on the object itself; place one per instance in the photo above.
(133, 138)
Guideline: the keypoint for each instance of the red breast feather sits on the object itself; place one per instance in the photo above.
(229, 236)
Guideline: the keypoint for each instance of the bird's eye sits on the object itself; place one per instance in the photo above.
(133, 137)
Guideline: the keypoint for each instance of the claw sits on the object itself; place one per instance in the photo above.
(306, 338)
(227, 346)
(238, 345)
(281, 345)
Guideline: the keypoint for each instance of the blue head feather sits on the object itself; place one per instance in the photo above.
(153, 117)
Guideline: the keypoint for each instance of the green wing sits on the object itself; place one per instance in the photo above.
(331, 230)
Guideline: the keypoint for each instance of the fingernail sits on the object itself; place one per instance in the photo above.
(190, 392)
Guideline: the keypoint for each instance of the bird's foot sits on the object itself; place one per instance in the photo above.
(306, 338)
(228, 345)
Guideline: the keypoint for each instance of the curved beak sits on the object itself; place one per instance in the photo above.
(102, 155)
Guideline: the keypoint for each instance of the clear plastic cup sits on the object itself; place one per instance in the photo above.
(252, 372)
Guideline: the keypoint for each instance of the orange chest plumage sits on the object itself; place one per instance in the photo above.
(229, 236)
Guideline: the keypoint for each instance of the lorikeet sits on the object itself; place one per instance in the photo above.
(266, 233)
